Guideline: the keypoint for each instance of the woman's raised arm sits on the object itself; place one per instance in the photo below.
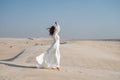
(57, 27)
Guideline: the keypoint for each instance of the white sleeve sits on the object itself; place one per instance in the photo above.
(57, 27)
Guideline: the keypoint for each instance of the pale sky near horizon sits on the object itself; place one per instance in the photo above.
(79, 19)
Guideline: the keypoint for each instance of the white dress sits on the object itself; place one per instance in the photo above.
(52, 56)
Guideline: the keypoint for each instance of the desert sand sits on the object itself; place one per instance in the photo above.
(80, 60)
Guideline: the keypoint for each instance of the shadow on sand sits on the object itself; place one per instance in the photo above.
(13, 58)
(16, 65)
(8, 62)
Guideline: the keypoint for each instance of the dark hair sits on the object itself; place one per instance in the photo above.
(51, 30)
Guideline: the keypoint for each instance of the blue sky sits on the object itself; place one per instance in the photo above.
(79, 19)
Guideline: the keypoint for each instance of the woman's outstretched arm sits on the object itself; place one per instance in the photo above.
(57, 27)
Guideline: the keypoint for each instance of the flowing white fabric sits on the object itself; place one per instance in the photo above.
(52, 56)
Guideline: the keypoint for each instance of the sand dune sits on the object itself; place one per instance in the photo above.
(80, 60)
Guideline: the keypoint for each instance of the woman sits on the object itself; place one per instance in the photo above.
(52, 56)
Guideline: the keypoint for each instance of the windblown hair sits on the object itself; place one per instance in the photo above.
(52, 30)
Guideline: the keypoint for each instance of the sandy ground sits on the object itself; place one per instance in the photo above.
(80, 60)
